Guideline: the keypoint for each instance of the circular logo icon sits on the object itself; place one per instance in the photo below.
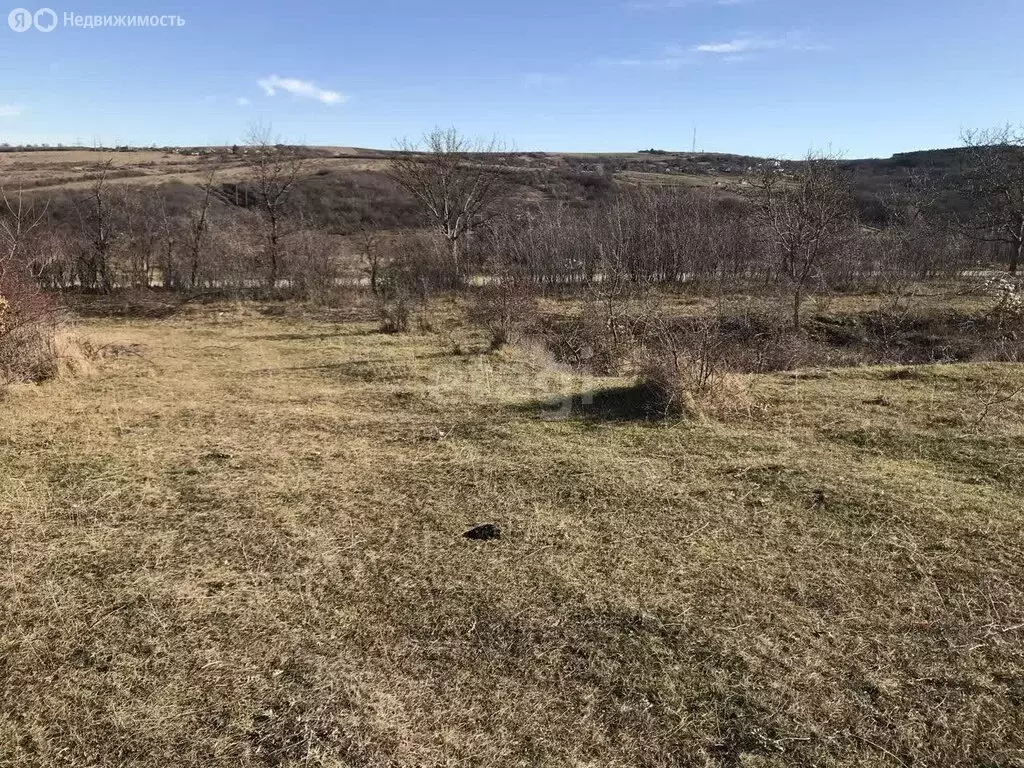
(45, 20)
(20, 20)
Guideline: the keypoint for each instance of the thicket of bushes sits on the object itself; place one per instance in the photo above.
(800, 230)
(182, 237)
(27, 329)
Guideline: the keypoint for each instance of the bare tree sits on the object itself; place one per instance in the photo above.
(22, 302)
(18, 218)
(993, 183)
(808, 217)
(198, 230)
(276, 169)
(139, 234)
(459, 182)
(370, 242)
(94, 263)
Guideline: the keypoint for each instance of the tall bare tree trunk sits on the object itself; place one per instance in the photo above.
(199, 227)
(453, 246)
(274, 237)
(1017, 251)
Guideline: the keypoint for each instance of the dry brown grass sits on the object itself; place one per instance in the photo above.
(44, 350)
(242, 546)
(49, 171)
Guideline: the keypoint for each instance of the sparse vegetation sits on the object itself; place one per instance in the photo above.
(242, 545)
(993, 181)
(27, 319)
(476, 458)
(460, 184)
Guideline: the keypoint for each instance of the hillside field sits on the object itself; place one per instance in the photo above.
(238, 541)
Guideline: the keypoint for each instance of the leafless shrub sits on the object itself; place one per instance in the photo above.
(28, 324)
(687, 383)
(395, 314)
(27, 354)
(1009, 299)
(415, 263)
(985, 398)
(808, 217)
(27, 314)
(685, 363)
(315, 270)
(504, 309)
(372, 251)
(668, 393)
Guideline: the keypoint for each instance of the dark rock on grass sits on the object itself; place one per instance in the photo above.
(486, 532)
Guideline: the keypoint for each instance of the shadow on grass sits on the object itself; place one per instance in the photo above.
(299, 336)
(361, 370)
(633, 403)
(124, 305)
(298, 310)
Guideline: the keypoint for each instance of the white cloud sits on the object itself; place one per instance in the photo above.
(739, 48)
(302, 88)
(242, 101)
(794, 41)
(542, 80)
(661, 62)
(11, 110)
(661, 5)
(671, 58)
(736, 46)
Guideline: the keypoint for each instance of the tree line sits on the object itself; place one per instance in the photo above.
(468, 211)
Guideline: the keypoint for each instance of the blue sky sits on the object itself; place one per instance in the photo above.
(766, 77)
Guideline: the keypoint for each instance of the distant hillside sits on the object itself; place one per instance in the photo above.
(355, 174)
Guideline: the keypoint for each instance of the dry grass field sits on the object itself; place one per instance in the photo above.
(50, 171)
(239, 542)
